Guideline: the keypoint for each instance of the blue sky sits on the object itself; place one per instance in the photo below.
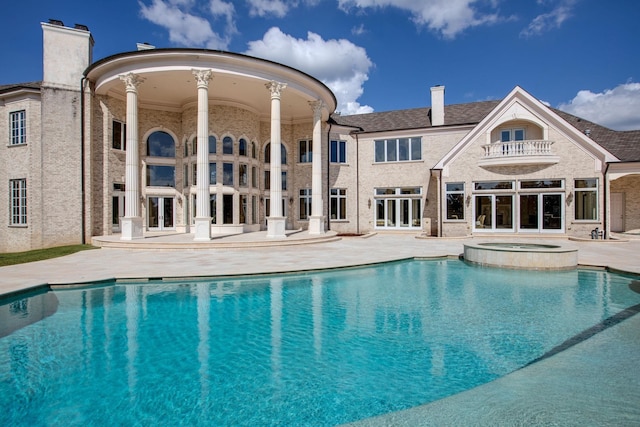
(378, 55)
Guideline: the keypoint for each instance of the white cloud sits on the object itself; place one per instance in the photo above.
(550, 20)
(263, 8)
(446, 17)
(188, 29)
(339, 64)
(617, 108)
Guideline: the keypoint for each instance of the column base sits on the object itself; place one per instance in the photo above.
(202, 228)
(316, 224)
(276, 227)
(131, 228)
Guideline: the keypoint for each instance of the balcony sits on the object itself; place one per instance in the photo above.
(528, 152)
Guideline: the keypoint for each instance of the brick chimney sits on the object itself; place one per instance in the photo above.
(437, 105)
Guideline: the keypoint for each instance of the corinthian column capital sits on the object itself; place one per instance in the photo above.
(275, 88)
(203, 77)
(317, 107)
(131, 81)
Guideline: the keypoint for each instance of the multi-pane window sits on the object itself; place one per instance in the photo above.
(243, 172)
(398, 149)
(338, 151)
(305, 203)
(227, 174)
(586, 199)
(338, 203)
(227, 145)
(161, 144)
(267, 180)
(213, 173)
(455, 200)
(507, 135)
(212, 144)
(283, 154)
(119, 135)
(18, 123)
(18, 201)
(161, 176)
(306, 150)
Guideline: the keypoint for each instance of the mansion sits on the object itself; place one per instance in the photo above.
(212, 143)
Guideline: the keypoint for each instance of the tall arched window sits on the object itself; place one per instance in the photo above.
(227, 145)
(212, 144)
(283, 154)
(242, 147)
(253, 150)
(161, 144)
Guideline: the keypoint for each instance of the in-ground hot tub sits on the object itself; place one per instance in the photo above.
(521, 255)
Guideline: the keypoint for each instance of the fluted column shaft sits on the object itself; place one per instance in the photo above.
(316, 221)
(203, 212)
(132, 222)
(276, 221)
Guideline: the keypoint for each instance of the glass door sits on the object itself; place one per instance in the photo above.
(541, 212)
(117, 211)
(160, 215)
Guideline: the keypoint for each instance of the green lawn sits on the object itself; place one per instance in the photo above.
(41, 254)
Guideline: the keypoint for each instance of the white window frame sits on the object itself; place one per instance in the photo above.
(304, 200)
(339, 196)
(305, 151)
(18, 127)
(452, 193)
(512, 134)
(396, 144)
(18, 202)
(581, 190)
(334, 151)
(120, 137)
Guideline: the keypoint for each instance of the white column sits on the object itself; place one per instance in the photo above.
(203, 214)
(316, 220)
(132, 221)
(275, 222)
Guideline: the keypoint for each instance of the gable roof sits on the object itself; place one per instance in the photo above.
(625, 145)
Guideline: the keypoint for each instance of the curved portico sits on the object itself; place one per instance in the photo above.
(224, 110)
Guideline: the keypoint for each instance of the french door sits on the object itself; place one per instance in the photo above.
(160, 213)
(541, 213)
(398, 213)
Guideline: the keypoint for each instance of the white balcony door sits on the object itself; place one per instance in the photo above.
(160, 213)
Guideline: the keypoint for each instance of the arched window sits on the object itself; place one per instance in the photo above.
(227, 145)
(253, 150)
(283, 154)
(242, 147)
(212, 144)
(161, 144)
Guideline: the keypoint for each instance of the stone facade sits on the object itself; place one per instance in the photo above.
(76, 177)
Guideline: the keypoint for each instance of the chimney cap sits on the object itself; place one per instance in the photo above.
(56, 22)
(81, 27)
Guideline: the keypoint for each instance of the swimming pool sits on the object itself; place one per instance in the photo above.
(320, 348)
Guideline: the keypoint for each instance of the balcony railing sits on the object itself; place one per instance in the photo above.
(518, 152)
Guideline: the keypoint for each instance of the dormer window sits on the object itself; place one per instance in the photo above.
(507, 135)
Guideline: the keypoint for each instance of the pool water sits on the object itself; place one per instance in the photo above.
(321, 348)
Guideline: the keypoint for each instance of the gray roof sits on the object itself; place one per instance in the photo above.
(17, 86)
(625, 145)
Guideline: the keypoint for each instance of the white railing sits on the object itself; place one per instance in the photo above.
(518, 149)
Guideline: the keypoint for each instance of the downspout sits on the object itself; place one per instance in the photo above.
(357, 185)
(606, 195)
(82, 181)
(328, 199)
